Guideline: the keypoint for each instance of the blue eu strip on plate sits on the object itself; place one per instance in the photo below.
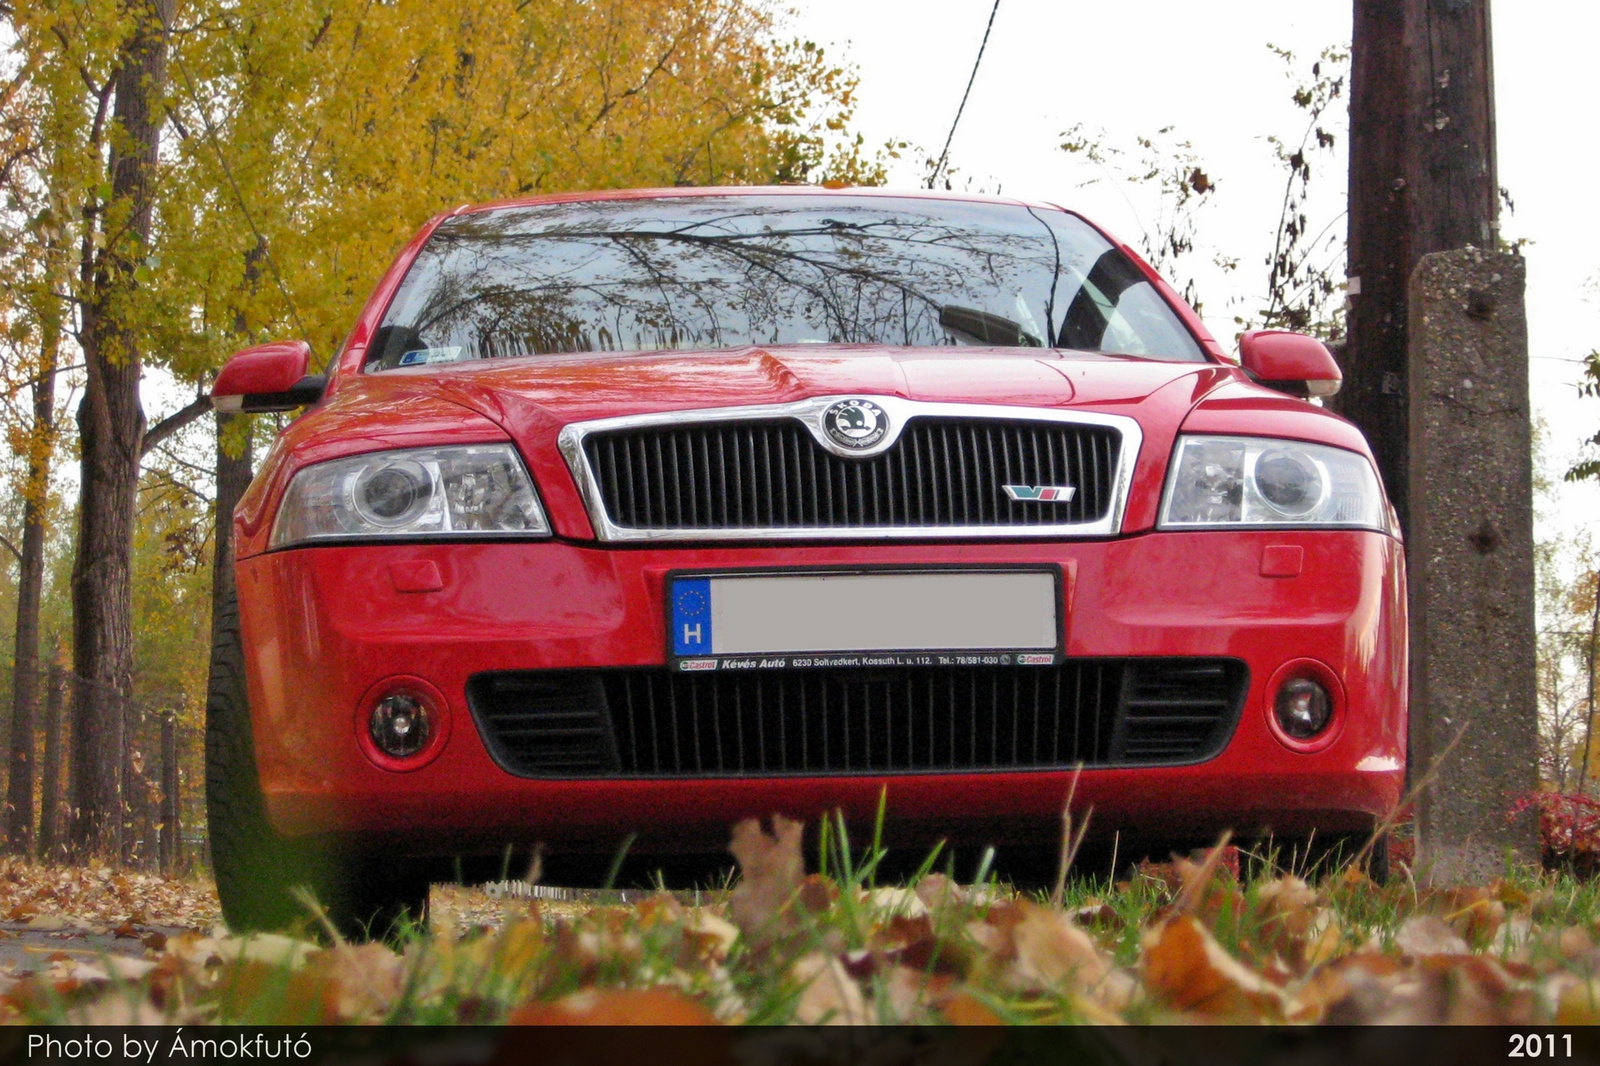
(691, 617)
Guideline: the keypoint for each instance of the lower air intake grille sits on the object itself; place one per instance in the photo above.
(654, 723)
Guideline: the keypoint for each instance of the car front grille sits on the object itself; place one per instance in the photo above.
(771, 475)
(654, 723)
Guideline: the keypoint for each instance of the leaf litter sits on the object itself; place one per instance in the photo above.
(1185, 941)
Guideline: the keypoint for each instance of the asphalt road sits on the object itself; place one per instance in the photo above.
(29, 946)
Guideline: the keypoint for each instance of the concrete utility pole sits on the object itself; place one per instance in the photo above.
(1471, 563)
(1436, 375)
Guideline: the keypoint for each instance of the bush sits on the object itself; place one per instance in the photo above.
(1569, 831)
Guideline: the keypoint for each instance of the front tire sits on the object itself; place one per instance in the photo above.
(258, 872)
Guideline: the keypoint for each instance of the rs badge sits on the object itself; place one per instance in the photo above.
(1040, 493)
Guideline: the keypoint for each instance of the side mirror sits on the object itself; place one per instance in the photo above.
(268, 377)
(1292, 362)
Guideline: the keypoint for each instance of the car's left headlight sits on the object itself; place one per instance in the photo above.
(471, 490)
(1232, 481)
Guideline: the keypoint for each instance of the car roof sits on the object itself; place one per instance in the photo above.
(750, 190)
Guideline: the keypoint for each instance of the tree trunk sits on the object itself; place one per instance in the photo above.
(133, 783)
(171, 854)
(233, 478)
(1422, 179)
(30, 590)
(50, 787)
(235, 459)
(147, 856)
(110, 428)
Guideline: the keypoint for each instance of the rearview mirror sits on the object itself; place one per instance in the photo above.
(268, 377)
(1290, 362)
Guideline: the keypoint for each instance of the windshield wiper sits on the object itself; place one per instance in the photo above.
(985, 328)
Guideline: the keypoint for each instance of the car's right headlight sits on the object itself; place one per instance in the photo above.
(1232, 481)
(459, 491)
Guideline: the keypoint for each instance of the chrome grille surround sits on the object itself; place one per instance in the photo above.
(809, 413)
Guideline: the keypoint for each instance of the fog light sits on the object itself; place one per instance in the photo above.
(401, 724)
(1303, 708)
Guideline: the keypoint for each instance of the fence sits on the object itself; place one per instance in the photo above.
(508, 889)
(150, 771)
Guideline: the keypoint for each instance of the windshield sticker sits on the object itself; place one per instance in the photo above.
(425, 356)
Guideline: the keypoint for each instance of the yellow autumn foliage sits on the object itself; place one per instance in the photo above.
(327, 131)
(307, 139)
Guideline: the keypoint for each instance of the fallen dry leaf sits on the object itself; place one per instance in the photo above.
(1479, 920)
(1428, 934)
(1513, 937)
(1574, 942)
(1479, 990)
(1294, 924)
(908, 994)
(1434, 989)
(354, 983)
(964, 1008)
(1576, 1000)
(1209, 888)
(915, 943)
(828, 994)
(1364, 988)
(1050, 950)
(615, 1006)
(817, 893)
(117, 1010)
(1097, 913)
(124, 968)
(770, 871)
(896, 901)
(1511, 895)
(600, 938)
(611, 1019)
(270, 949)
(936, 891)
(713, 935)
(1185, 966)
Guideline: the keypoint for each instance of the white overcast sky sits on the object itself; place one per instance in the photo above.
(1133, 68)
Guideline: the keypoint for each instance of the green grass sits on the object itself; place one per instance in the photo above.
(979, 955)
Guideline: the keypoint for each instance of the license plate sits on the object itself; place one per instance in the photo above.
(873, 618)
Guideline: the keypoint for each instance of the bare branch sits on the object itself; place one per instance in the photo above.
(636, 89)
(178, 460)
(172, 423)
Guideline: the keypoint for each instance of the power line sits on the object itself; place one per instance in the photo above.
(945, 155)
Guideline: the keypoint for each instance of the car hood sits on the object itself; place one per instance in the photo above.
(532, 400)
(552, 391)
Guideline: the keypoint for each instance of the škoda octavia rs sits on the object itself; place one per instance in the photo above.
(622, 516)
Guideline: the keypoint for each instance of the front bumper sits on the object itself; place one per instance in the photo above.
(322, 626)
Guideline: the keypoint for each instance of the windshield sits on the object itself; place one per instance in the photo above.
(732, 271)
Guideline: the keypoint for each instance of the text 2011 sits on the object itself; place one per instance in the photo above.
(1540, 1046)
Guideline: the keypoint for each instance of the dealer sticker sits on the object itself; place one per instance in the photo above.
(428, 356)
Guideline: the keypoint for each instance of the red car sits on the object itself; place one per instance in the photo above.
(623, 516)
